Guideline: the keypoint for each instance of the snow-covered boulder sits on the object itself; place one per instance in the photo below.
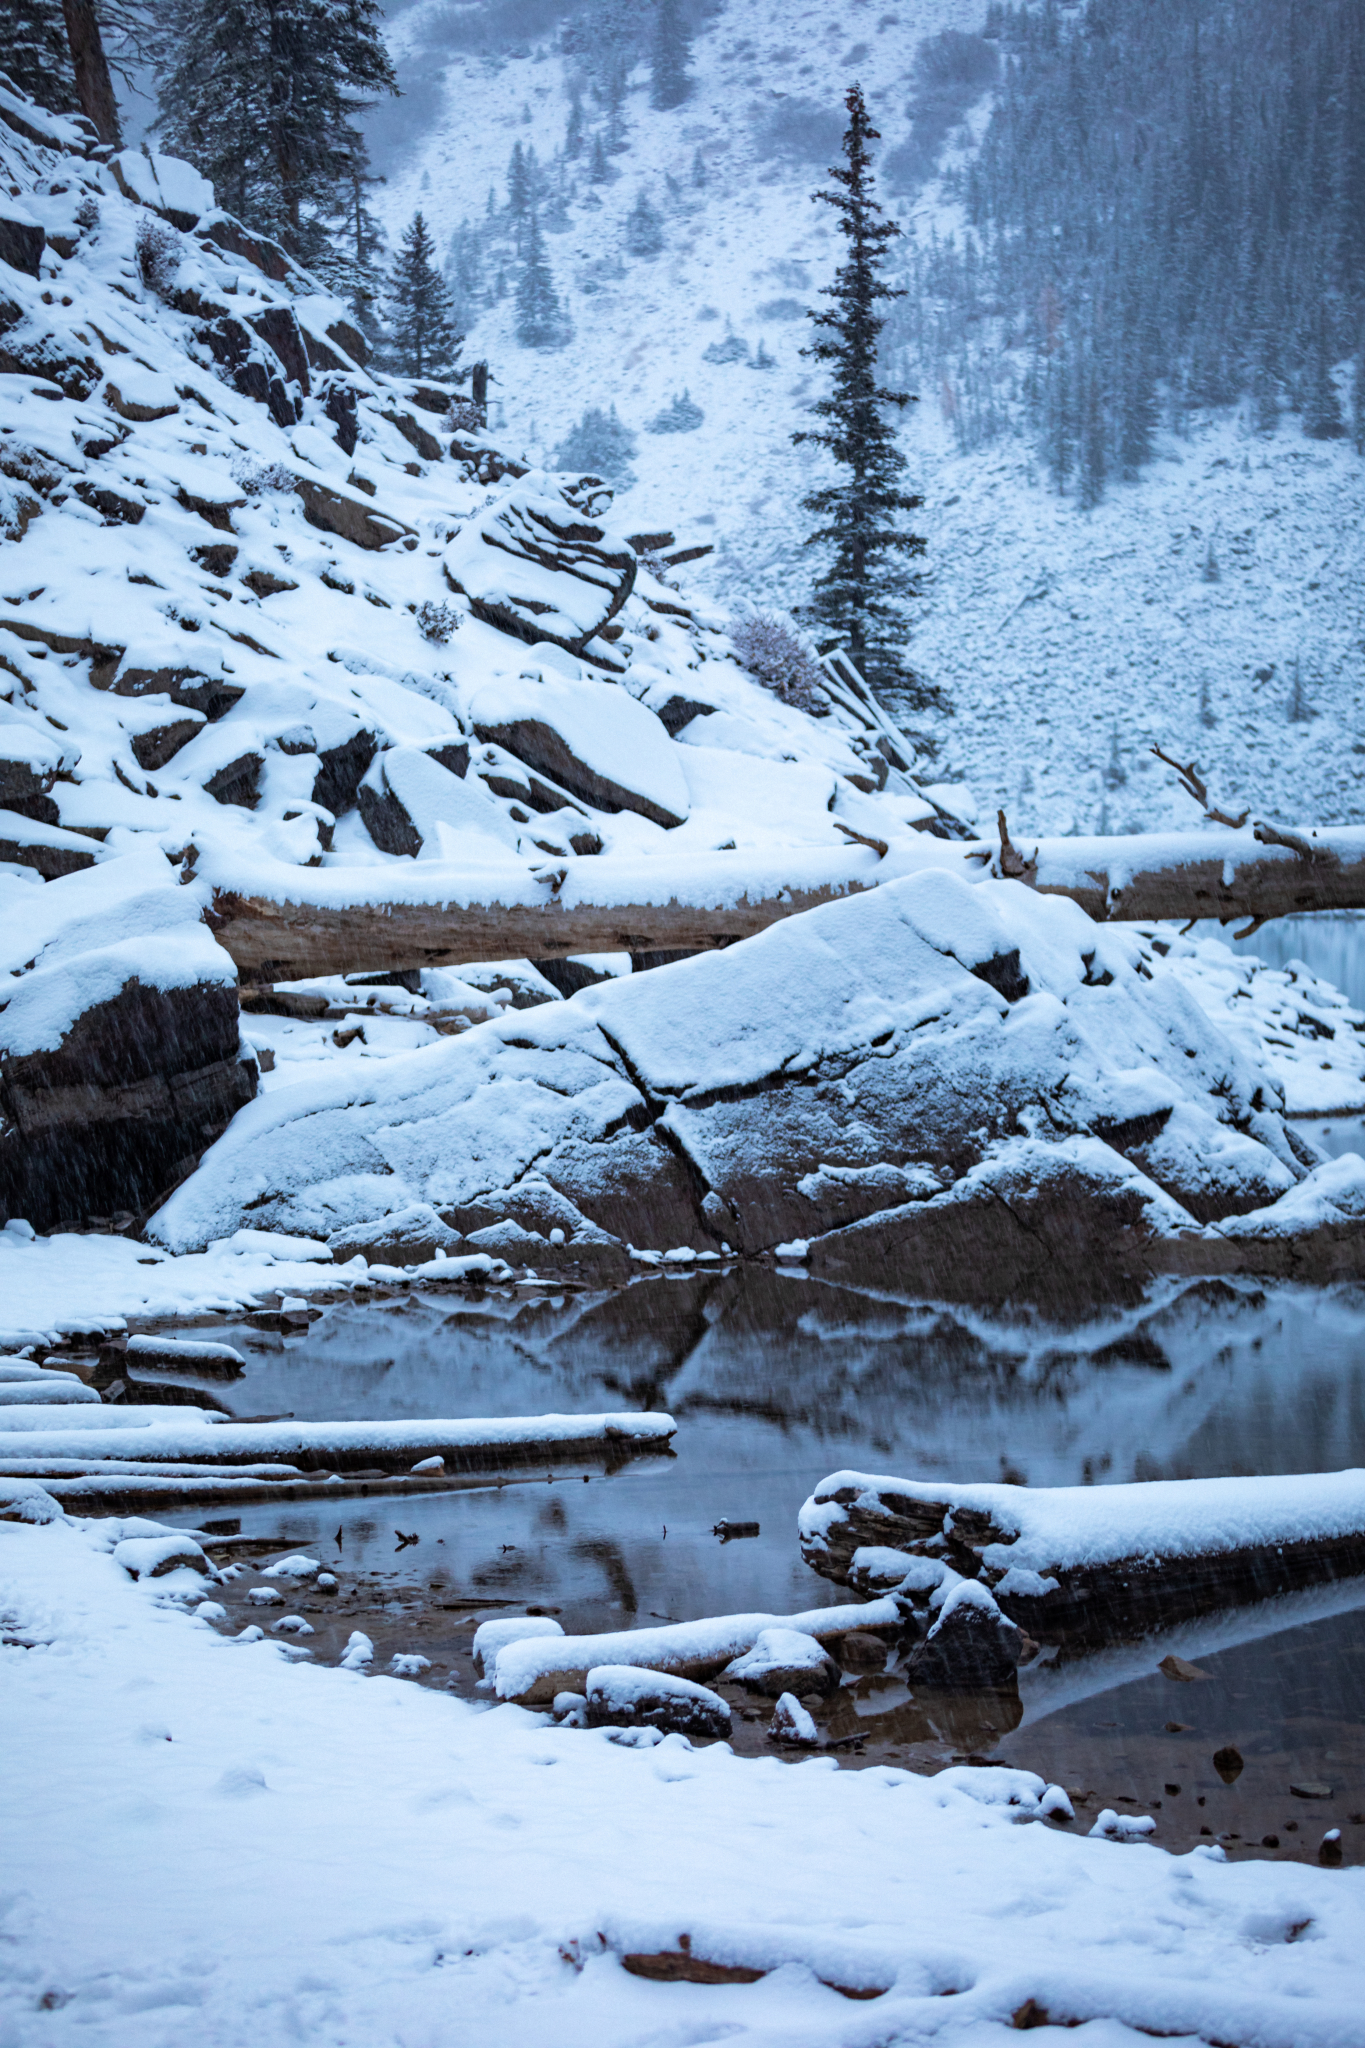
(785, 1660)
(592, 739)
(538, 567)
(970, 1086)
(624, 1696)
(972, 1644)
(119, 1044)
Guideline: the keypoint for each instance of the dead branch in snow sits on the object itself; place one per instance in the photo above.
(1194, 785)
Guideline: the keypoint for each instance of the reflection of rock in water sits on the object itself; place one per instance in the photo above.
(1208, 1376)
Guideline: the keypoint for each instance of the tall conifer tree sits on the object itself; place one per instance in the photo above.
(861, 596)
(262, 97)
(669, 81)
(425, 343)
(34, 53)
(541, 319)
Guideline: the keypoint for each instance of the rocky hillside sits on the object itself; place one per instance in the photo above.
(263, 612)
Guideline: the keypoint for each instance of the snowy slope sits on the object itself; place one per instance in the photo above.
(1068, 643)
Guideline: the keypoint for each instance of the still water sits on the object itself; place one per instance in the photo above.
(776, 1380)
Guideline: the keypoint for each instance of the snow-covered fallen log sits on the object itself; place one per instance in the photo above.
(298, 922)
(201, 1437)
(1087, 1563)
(531, 1670)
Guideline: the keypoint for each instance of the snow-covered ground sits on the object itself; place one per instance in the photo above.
(215, 1839)
(1067, 642)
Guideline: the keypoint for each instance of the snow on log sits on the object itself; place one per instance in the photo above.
(531, 1670)
(148, 1455)
(306, 922)
(1085, 1563)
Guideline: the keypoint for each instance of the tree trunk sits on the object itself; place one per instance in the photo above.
(574, 909)
(94, 86)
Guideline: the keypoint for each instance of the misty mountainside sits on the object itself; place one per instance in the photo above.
(1077, 602)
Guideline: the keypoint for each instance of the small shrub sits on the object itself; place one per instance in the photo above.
(774, 653)
(436, 621)
(158, 250)
(256, 478)
(464, 417)
(600, 445)
(730, 350)
(682, 416)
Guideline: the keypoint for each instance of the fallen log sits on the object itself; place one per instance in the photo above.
(282, 923)
(1088, 1564)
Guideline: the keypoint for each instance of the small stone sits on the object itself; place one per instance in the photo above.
(1228, 1763)
(1179, 1668)
(1171, 1791)
(291, 1625)
(265, 1596)
(1329, 1849)
(791, 1723)
(1308, 1788)
(1177, 1727)
(1270, 1841)
(860, 1650)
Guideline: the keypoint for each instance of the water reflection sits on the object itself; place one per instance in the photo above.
(776, 1380)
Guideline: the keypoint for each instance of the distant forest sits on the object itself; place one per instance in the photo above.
(1167, 214)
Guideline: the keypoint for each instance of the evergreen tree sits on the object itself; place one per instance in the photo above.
(1322, 419)
(599, 170)
(669, 83)
(518, 185)
(35, 54)
(860, 596)
(699, 177)
(541, 320)
(644, 228)
(352, 264)
(425, 343)
(600, 445)
(262, 97)
(573, 133)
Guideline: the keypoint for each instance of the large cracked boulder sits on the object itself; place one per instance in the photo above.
(591, 739)
(120, 1057)
(539, 568)
(967, 1090)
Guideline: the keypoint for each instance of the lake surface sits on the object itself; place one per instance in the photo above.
(776, 1380)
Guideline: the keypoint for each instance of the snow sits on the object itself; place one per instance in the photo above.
(493, 1859)
(616, 738)
(492, 1636)
(791, 1722)
(166, 182)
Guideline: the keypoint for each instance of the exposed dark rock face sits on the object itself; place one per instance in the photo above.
(114, 1115)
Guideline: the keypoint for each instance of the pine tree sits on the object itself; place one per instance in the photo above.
(644, 228)
(669, 83)
(861, 595)
(600, 445)
(573, 133)
(599, 170)
(518, 185)
(35, 54)
(541, 320)
(1322, 419)
(262, 97)
(425, 343)
(699, 177)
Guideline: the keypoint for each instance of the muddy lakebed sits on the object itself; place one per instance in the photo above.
(776, 1380)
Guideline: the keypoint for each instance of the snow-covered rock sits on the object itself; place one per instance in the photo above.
(785, 1660)
(974, 1081)
(624, 1696)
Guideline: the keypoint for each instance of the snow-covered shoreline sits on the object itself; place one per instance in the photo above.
(224, 1839)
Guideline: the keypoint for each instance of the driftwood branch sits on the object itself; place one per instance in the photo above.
(1247, 878)
(1193, 784)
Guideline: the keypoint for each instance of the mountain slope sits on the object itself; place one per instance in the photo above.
(1068, 642)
